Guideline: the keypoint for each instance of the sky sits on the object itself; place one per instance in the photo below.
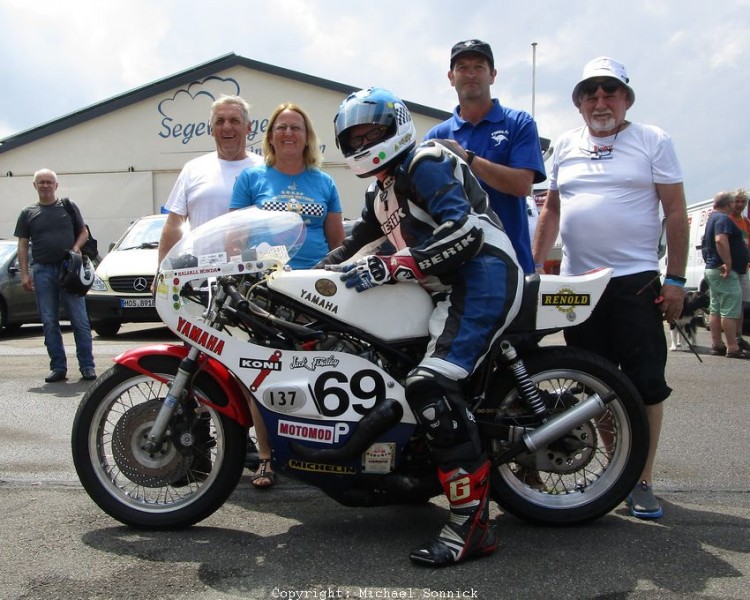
(688, 60)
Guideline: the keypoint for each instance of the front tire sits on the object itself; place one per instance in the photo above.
(589, 471)
(179, 484)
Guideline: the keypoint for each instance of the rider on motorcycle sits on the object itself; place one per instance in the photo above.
(432, 210)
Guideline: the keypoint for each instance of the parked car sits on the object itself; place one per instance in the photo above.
(17, 306)
(122, 289)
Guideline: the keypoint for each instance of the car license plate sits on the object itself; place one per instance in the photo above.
(136, 302)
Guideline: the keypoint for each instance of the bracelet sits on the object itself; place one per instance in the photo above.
(675, 277)
(539, 265)
(675, 282)
(469, 157)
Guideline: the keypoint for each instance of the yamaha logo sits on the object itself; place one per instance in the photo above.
(140, 284)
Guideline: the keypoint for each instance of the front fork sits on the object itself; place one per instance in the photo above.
(185, 372)
(177, 391)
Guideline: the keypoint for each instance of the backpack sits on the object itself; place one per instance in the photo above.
(91, 247)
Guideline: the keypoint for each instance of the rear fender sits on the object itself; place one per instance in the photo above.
(235, 406)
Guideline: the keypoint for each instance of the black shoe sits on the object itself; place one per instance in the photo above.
(88, 374)
(743, 344)
(55, 376)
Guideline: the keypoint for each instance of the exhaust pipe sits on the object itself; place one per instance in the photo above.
(380, 419)
(561, 424)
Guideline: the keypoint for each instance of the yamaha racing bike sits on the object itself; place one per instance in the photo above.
(159, 440)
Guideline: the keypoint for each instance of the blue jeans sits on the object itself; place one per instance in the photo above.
(49, 294)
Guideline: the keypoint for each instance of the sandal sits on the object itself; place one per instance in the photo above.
(264, 473)
(737, 354)
(718, 350)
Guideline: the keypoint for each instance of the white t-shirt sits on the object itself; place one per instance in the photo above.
(609, 208)
(204, 187)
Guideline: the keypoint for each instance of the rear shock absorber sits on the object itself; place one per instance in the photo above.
(526, 387)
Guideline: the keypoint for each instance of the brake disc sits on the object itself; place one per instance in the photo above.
(129, 438)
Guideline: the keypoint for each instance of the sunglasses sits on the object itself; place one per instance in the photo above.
(358, 141)
(608, 87)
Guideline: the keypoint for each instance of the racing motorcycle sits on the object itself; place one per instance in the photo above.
(159, 440)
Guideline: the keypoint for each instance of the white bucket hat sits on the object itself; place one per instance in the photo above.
(604, 66)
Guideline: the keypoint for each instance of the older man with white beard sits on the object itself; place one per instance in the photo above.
(608, 179)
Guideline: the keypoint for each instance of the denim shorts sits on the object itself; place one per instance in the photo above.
(726, 294)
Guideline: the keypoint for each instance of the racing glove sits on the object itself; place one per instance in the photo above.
(374, 270)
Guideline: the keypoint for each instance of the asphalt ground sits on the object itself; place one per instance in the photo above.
(293, 542)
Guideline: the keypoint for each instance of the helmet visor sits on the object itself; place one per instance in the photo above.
(362, 113)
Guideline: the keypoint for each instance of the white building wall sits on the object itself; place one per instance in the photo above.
(123, 164)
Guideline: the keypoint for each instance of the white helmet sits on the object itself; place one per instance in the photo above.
(76, 274)
(374, 106)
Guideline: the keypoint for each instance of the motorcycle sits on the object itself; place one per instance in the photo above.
(159, 440)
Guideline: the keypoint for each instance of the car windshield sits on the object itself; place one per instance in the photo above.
(244, 235)
(6, 250)
(145, 233)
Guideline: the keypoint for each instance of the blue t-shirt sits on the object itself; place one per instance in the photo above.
(312, 194)
(719, 223)
(507, 137)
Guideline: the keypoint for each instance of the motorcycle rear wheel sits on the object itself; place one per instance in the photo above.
(174, 487)
(594, 467)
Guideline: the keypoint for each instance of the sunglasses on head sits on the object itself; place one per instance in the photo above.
(590, 87)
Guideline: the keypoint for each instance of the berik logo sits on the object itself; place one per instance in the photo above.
(260, 363)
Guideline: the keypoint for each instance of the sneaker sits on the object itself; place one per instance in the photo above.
(642, 502)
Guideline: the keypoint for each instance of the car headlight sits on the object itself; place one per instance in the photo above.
(99, 284)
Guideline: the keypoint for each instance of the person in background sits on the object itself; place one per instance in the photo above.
(291, 180)
(204, 187)
(500, 144)
(608, 179)
(437, 217)
(739, 204)
(52, 232)
(725, 254)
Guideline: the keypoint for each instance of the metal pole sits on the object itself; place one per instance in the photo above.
(533, 78)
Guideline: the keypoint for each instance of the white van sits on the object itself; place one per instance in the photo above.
(697, 218)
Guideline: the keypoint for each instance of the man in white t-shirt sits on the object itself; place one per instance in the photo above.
(608, 180)
(204, 187)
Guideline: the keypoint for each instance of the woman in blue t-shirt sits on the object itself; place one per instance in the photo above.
(291, 179)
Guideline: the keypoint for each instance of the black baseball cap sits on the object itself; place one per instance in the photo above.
(474, 46)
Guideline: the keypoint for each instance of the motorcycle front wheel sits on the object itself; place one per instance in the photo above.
(185, 480)
(590, 470)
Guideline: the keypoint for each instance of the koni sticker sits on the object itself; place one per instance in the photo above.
(266, 371)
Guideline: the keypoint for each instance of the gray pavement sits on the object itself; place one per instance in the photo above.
(293, 542)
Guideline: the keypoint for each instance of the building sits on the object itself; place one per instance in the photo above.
(119, 159)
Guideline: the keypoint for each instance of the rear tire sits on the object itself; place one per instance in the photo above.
(179, 484)
(590, 470)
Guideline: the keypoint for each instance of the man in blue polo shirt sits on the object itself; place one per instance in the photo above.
(501, 144)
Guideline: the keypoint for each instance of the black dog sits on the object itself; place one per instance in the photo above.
(689, 319)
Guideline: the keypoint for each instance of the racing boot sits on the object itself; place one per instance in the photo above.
(468, 533)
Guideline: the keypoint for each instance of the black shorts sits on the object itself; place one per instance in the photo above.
(627, 328)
